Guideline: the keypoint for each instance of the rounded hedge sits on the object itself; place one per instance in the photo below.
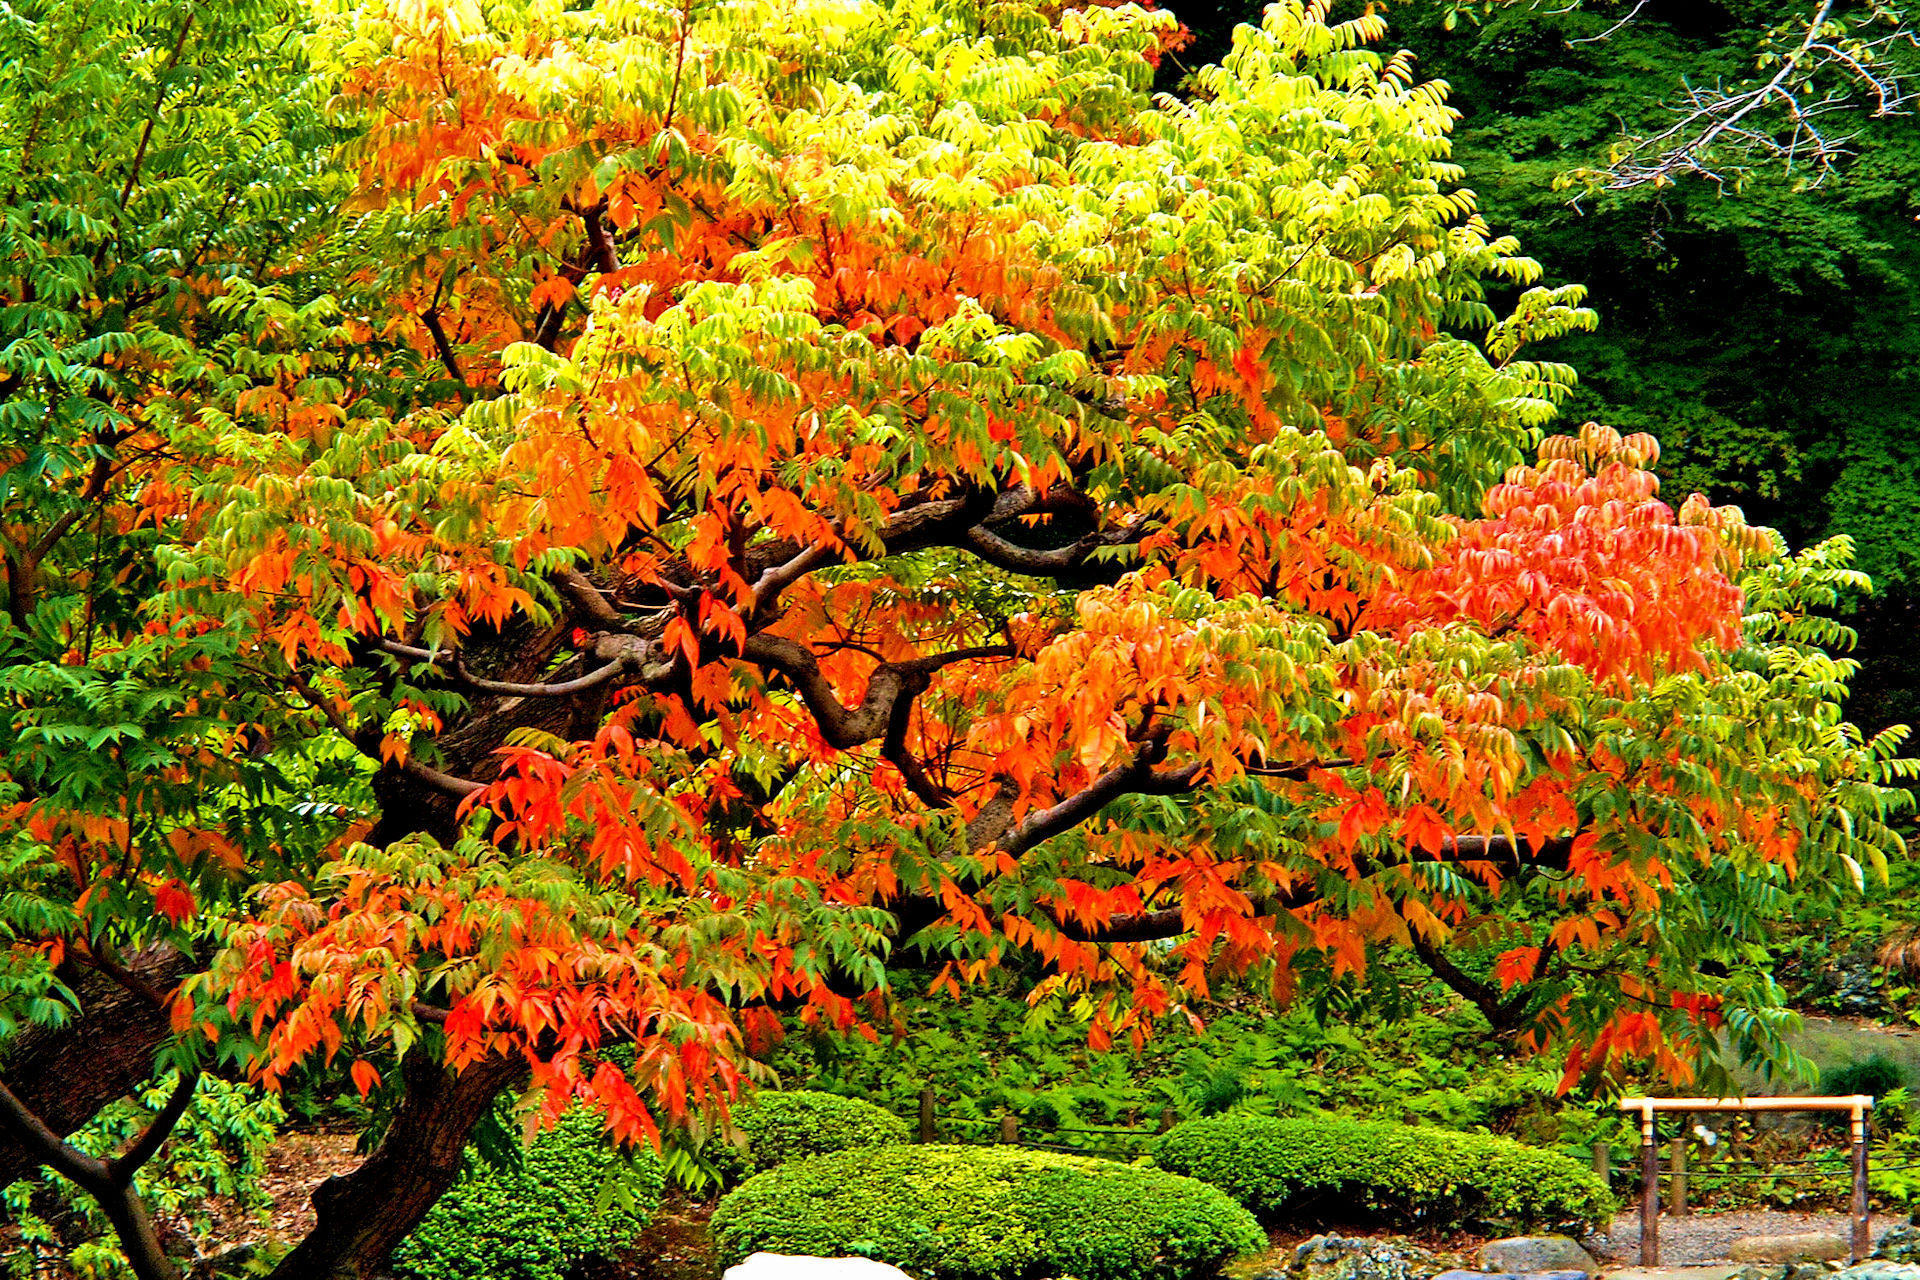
(537, 1221)
(790, 1126)
(988, 1213)
(1398, 1173)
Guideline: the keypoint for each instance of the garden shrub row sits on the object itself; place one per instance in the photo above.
(1400, 1174)
(988, 1213)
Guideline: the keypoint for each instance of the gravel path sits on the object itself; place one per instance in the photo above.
(1698, 1238)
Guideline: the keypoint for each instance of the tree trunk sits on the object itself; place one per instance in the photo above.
(362, 1215)
(66, 1075)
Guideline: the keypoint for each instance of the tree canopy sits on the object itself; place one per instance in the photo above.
(539, 528)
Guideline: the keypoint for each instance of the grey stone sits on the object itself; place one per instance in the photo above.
(1875, 1269)
(1762, 1271)
(1524, 1254)
(1332, 1257)
(793, 1266)
(1902, 1244)
(1811, 1246)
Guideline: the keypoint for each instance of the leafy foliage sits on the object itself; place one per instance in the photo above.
(1760, 327)
(706, 502)
(216, 1152)
(1402, 1048)
(1405, 1174)
(978, 1213)
(540, 1216)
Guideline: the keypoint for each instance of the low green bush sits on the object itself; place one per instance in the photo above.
(537, 1220)
(1397, 1173)
(988, 1213)
(790, 1126)
(1877, 1076)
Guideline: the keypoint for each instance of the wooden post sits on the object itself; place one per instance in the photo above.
(1862, 1224)
(1010, 1129)
(1603, 1162)
(1168, 1118)
(1649, 1191)
(1677, 1171)
(926, 1114)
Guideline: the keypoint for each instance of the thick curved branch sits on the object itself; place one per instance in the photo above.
(506, 688)
(588, 599)
(368, 744)
(1139, 926)
(1073, 562)
(441, 345)
(122, 1206)
(1139, 778)
(842, 726)
(893, 749)
(55, 1152)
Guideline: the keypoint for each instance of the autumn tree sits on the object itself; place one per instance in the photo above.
(742, 495)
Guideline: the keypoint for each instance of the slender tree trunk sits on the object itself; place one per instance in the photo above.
(362, 1215)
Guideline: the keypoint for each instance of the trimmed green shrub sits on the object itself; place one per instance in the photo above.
(537, 1221)
(1398, 1173)
(1877, 1075)
(988, 1213)
(789, 1126)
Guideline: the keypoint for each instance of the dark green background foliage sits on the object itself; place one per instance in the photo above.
(1400, 1173)
(988, 1213)
(1397, 1047)
(1764, 328)
(787, 1126)
(1765, 335)
(536, 1218)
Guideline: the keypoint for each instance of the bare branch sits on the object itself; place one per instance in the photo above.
(1169, 922)
(368, 744)
(1779, 120)
(1136, 778)
(1613, 30)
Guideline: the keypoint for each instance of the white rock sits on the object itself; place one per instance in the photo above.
(792, 1266)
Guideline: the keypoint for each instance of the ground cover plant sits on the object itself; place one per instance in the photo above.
(535, 527)
(988, 1213)
(1402, 1048)
(1403, 1174)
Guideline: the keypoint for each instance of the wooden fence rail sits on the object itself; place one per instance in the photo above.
(1649, 1108)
